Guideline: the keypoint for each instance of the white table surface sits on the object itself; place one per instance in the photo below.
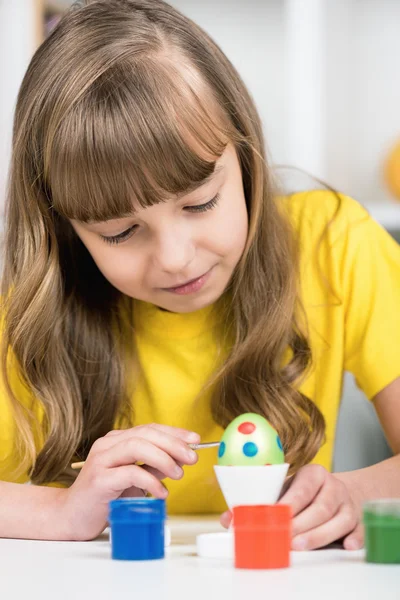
(84, 570)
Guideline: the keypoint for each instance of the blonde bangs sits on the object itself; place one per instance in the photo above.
(133, 138)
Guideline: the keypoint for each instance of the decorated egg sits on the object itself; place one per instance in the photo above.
(250, 440)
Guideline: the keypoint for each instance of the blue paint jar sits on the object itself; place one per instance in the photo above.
(137, 528)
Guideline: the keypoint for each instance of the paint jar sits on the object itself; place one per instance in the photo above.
(137, 528)
(262, 536)
(382, 531)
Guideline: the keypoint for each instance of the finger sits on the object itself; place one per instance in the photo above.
(155, 472)
(175, 447)
(128, 476)
(190, 437)
(325, 506)
(151, 432)
(226, 519)
(340, 525)
(109, 440)
(305, 487)
(288, 482)
(160, 476)
(141, 450)
(134, 492)
(114, 432)
(355, 540)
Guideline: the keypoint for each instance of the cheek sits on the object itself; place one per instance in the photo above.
(229, 232)
(118, 267)
(117, 272)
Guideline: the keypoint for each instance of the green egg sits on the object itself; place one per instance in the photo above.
(250, 440)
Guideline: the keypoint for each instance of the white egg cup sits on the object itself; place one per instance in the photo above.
(248, 486)
(242, 486)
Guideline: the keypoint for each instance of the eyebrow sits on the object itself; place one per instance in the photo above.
(192, 188)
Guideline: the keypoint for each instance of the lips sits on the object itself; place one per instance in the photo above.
(175, 287)
(189, 287)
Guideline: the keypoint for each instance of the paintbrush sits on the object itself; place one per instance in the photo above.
(79, 465)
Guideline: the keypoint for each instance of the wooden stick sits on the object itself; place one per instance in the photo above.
(79, 465)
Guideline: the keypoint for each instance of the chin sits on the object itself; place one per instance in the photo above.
(189, 305)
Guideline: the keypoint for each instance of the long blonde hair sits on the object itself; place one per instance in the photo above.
(127, 99)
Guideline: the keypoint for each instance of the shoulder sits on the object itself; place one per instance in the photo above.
(340, 244)
(317, 212)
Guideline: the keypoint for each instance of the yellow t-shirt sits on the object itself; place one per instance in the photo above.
(350, 286)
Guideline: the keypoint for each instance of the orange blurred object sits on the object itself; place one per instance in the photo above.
(392, 171)
(262, 536)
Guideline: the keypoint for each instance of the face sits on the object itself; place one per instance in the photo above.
(179, 254)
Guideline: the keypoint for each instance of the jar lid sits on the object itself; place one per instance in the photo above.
(383, 507)
(137, 510)
(262, 515)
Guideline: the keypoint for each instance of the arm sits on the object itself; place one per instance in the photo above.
(328, 506)
(383, 479)
(110, 471)
(31, 512)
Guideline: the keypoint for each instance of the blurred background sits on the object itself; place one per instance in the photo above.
(325, 77)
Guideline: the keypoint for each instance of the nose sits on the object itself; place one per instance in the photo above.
(175, 251)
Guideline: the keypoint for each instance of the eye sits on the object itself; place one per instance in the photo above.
(203, 207)
(120, 237)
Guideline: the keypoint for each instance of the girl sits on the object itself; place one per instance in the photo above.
(153, 275)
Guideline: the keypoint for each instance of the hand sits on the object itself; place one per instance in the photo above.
(323, 511)
(110, 472)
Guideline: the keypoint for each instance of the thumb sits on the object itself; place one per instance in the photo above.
(355, 539)
(226, 519)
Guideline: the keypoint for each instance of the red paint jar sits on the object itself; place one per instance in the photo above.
(262, 536)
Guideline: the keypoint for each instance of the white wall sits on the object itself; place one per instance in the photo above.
(16, 47)
(354, 55)
(376, 103)
(364, 93)
(343, 63)
(251, 35)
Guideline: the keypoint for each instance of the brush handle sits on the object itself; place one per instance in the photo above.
(204, 445)
(79, 465)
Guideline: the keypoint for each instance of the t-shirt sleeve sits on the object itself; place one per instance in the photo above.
(371, 294)
(10, 457)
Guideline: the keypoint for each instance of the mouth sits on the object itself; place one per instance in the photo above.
(191, 286)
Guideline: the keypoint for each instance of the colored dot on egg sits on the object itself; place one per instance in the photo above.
(250, 449)
(246, 428)
(279, 442)
(221, 449)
